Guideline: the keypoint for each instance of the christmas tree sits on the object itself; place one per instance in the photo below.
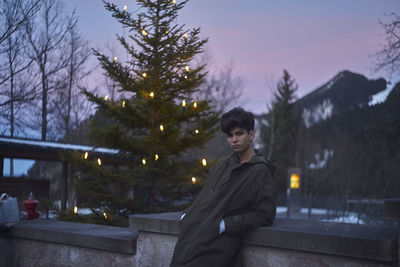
(159, 120)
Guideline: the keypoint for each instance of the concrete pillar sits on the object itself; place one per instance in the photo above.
(64, 188)
(1, 167)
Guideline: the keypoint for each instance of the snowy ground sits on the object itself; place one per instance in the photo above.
(350, 217)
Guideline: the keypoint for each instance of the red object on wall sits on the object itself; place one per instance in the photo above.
(30, 206)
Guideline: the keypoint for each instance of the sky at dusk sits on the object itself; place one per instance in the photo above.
(312, 39)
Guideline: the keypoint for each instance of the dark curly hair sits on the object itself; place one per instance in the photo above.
(237, 117)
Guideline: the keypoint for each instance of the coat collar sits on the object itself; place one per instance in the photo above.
(257, 158)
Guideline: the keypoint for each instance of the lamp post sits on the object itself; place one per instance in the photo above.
(293, 200)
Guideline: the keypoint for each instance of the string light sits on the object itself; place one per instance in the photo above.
(99, 161)
(174, 2)
(161, 127)
(125, 7)
(186, 77)
(185, 36)
(151, 94)
(194, 180)
(187, 68)
(76, 210)
(156, 156)
(143, 161)
(105, 215)
(183, 103)
(195, 104)
(106, 98)
(166, 32)
(204, 162)
(144, 74)
(115, 59)
(86, 155)
(144, 32)
(123, 104)
(196, 131)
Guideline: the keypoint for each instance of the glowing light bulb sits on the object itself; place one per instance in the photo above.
(105, 215)
(86, 155)
(161, 127)
(144, 32)
(174, 2)
(194, 180)
(186, 77)
(204, 162)
(106, 98)
(196, 131)
(144, 74)
(123, 104)
(151, 94)
(143, 161)
(166, 32)
(99, 161)
(76, 210)
(183, 103)
(187, 68)
(156, 156)
(185, 36)
(125, 7)
(115, 59)
(195, 104)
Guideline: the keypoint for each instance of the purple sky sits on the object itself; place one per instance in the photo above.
(312, 39)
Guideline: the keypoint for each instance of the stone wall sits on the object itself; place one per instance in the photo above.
(56, 243)
(289, 242)
(151, 238)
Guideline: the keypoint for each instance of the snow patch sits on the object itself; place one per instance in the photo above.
(351, 217)
(380, 97)
(280, 209)
(58, 145)
(321, 159)
(329, 84)
(317, 113)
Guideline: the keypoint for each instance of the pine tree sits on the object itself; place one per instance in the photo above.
(159, 120)
(280, 134)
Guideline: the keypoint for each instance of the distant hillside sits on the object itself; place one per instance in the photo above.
(345, 91)
(350, 139)
(364, 150)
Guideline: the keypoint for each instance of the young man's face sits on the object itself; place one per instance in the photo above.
(239, 139)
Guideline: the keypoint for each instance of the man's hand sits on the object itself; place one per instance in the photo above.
(221, 226)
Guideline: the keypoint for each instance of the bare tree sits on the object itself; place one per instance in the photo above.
(388, 58)
(14, 91)
(73, 76)
(46, 36)
(225, 90)
(13, 14)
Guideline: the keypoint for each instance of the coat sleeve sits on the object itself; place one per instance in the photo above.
(262, 214)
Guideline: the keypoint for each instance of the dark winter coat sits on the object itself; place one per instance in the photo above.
(243, 195)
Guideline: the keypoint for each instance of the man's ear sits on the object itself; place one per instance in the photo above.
(252, 134)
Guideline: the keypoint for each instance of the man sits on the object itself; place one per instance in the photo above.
(239, 195)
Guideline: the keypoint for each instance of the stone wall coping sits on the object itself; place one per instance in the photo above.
(110, 238)
(378, 243)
